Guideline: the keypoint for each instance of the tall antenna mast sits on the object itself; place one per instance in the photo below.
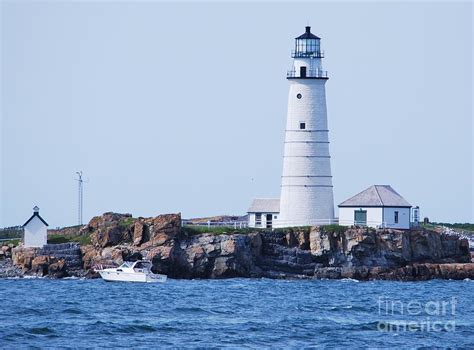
(80, 196)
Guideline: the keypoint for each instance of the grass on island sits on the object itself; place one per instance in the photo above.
(334, 228)
(293, 229)
(429, 226)
(462, 226)
(465, 227)
(57, 239)
(15, 242)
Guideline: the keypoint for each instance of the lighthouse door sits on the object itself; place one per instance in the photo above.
(303, 72)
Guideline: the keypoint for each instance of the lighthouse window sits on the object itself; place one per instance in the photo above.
(396, 217)
(302, 126)
(299, 96)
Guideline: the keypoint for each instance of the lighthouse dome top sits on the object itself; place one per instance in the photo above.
(307, 34)
(307, 45)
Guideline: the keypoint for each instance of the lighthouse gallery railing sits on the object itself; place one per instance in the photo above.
(312, 73)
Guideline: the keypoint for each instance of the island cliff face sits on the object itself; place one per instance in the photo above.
(317, 252)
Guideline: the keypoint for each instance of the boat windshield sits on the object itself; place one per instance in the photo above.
(142, 265)
(126, 265)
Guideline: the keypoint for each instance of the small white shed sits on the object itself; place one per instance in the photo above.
(35, 230)
(377, 206)
(263, 212)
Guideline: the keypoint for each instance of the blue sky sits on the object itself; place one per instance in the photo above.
(181, 107)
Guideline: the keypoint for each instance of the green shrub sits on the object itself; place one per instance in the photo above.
(127, 222)
(57, 239)
(82, 240)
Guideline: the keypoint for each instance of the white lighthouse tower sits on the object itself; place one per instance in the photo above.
(306, 184)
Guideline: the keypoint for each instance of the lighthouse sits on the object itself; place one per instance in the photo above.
(306, 183)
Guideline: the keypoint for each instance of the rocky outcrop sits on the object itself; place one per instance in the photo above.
(385, 248)
(412, 272)
(23, 257)
(9, 270)
(319, 252)
(286, 254)
(110, 229)
(210, 256)
(6, 251)
(45, 265)
(53, 260)
(322, 252)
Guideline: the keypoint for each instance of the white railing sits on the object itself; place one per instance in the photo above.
(9, 239)
(232, 224)
(376, 224)
(311, 73)
(290, 223)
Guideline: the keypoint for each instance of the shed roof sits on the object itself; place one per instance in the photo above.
(377, 196)
(265, 205)
(39, 217)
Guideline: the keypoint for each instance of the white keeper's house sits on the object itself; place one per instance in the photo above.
(35, 230)
(263, 212)
(377, 206)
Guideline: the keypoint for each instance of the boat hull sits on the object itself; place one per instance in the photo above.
(114, 276)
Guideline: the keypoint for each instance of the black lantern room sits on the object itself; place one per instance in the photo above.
(307, 45)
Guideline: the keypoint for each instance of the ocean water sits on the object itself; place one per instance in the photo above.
(236, 313)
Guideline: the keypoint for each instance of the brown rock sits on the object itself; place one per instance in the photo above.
(165, 228)
(161, 258)
(298, 238)
(228, 247)
(58, 269)
(138, 231)
(110, 236)
(23, 257)
(256, 244)
(88, 256)
(319, 241)
(221, 268)
(40, 265)
(106, 219)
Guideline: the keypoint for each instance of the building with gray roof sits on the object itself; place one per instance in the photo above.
(376, 206)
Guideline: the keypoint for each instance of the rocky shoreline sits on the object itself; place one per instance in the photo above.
(326, 252)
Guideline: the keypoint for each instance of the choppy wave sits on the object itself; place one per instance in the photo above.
(40, 330)
(234, 313)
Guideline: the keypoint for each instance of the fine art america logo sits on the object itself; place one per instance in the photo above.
(417, 316)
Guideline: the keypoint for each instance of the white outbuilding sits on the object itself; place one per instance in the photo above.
(263, 212)
(35, 230)
(377, 206)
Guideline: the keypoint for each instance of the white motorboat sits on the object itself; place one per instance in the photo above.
(137, 271)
